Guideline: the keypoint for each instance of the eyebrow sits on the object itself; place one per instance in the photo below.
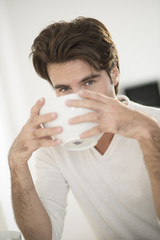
(92, 76)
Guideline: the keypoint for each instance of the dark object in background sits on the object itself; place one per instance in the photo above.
(146, 94)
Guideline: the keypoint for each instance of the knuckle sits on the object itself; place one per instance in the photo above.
(99, 116)
(100, 128)
(38, 144)
(50, 132)
(24, 145)
(90, 104)
(35, 134)
(33, 110)
(43, 143)
(34, 120)
(24, 128)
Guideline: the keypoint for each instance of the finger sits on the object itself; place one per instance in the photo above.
(45, 142)
(85, 103)
(91, 132)
(42, 119)
(36, 108)
(49, 142)
(88, 117)
(46, 132)
(93, 95)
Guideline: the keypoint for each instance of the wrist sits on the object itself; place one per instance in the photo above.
(148, 131)
(16, 165)
(145, 127)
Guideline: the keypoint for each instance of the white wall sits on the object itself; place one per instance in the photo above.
(135, 27)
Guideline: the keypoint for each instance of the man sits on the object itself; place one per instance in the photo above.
(117, 182)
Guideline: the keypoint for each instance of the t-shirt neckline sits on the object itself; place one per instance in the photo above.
(110, 149)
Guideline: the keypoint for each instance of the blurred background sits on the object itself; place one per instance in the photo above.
(135, 28)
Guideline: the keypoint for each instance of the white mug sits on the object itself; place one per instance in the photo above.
(70, 134)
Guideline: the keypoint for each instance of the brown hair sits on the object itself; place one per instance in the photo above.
(83, 38)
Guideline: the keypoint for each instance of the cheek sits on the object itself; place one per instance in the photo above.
(59, 94)
(106, 89)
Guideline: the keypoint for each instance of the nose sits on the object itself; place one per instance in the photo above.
(75, 89)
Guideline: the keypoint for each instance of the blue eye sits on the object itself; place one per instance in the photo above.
(90, 82)
(64, 89)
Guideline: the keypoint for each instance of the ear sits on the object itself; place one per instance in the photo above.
(115, 75)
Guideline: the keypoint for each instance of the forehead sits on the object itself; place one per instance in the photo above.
(74, 70)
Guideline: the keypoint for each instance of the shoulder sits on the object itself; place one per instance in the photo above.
(151, 111)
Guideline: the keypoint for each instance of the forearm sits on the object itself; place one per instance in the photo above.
(150, 145)
(30, 214)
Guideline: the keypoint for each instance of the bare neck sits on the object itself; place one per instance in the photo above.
(104, 142)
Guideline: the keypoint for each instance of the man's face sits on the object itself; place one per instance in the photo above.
(72, 76)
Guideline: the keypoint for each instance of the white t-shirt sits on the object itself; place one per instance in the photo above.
(113, 189)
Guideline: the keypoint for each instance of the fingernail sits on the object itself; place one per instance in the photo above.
(81, 92)
(58, 129)
(81, 136)
(41, 99)
(68, 102)
(58, 141)
(71, 121)
(53, 114)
